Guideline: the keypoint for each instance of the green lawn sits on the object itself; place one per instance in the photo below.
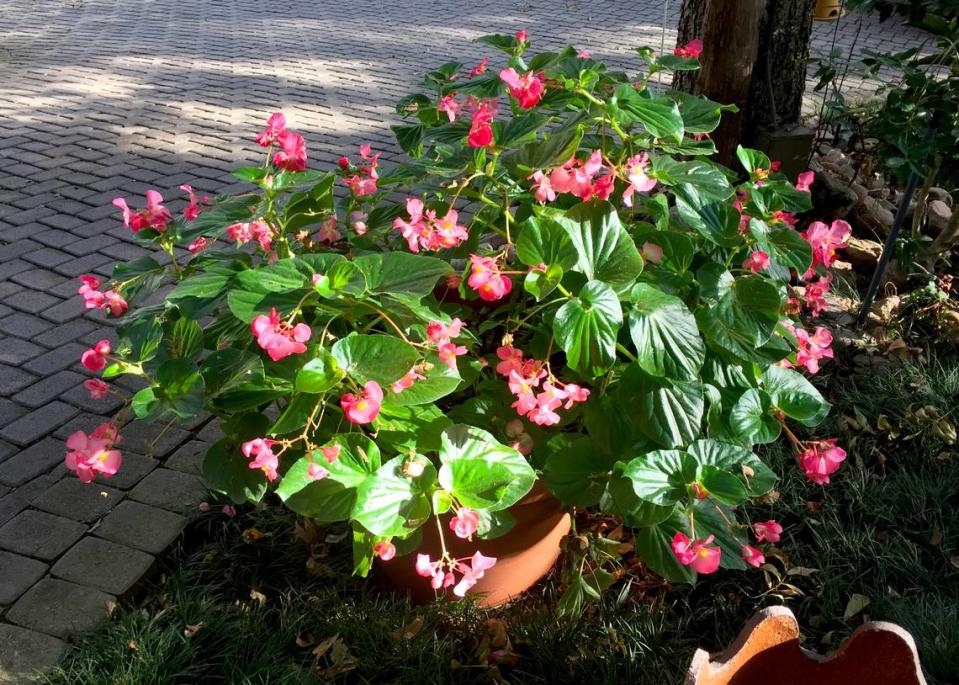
(886, 529)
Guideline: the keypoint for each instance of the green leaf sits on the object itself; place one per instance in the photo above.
(389, 503)
(227, 470)
(476, 483)
(140, 340)
(500, 41)
(556, 148)
(440, 381)
(654, 547)
(661, 476)
(539, 283)
(798, 399)
(401, 273)
(733, 458)
(751, 418)
(668, 412)
(718, 222)
(144, 404)
(636, 512)
(722, 485)
(783, 244)
(752, 159)
(699, 182)
(699, 113)
(665, 334)
(462, 443)
(521, 127)
(744, 318)
(253, 174)
(280, 276)
(380, 358)
(226, 369)
(658, 115)
(710, 522)
(404, 428)
(576, 472)
(410, 139)
(494, 524)
(247, 304)
(606, 251)
(543, 241)
(586, 328)
(213, 220)
(319, 374)
(186, 339)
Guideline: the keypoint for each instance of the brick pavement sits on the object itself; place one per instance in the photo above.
(100, 98)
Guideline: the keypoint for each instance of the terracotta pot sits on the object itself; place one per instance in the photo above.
(523, 556)
(828, 10)
(767, 652)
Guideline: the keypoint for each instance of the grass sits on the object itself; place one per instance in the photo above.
(886, 529)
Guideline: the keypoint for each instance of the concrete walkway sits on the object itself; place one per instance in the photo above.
(102, 98)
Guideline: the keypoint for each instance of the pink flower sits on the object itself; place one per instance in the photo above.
(576, 177)
(574, 394)
(696, 553)
(447, 233)
(114, 301)
(780, 216)
(406, 381)
(805, 181)
(527, 89)
(583, 54)
(652, 253)
(753, 556)
(821, 459)
(316, 472)
(472, 573)
(363, 409)
(825, 240)
(89, 455)
(448, 352)
(479, 68)
(279, 338)
(331, 453)
(465, 523)
(693, 48)
(639, 182)
(449, 106)
(384, 550)
(486, 279)
(770, 531)
(543, 190)
(98, 389)
(154, 215)
(812, 348)
(328, 232)
(192, 210)
(275, 125)
(358, 222)
(756, 261)
(481, 129)
(511, 359)
(90, 290)
(292, 156)
(522, 36)
(438, 332)
(95, 358)
(261, 450)
(815, 295)
(198, 245)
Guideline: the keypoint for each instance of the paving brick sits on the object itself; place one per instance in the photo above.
(141, 526)
(25, 654)
(31, 462)
(48, 389)
(189, 457)
(18, 574)
(102, 564)
(62, 609)
(64, 333)
(79, 501)
(173, 490)
(38, 423)
(134, 469)
(153, 439)
(13, 379)
(16, 351)
(38, 534)
(56, 359)
(16, 500)
(23, 325)
(10, 411)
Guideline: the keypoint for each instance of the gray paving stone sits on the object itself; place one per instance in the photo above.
(10, 411)
(79, 501)
(141, 526)
(33, 301)
(80, 396)
(48, 389)
(135, 468)
(189, 457)
(25, 654)
(31, 462)
(172, 490)
(104, 565)
(38, 423)
(18, 574)
(56, 359)
(16, 500)
(13, 379)
(38, 534)
(23, 325)
(153, 439)
(62, 609)
(16, 351)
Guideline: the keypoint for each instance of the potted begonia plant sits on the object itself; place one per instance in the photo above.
(570, 296)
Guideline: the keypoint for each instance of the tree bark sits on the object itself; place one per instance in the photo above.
(754, 56)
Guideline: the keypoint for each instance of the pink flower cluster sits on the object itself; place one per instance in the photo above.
(95, 358)
(192, 210)
(279, 338)
(696, 554)
(576, 177)
(812, 348)
(815, 295)
(465, 523)
(425, 230)
(364, 178)
(260, 450)
(441, 574)
(487, 280)
(820, 459)
(89, 455)
(292, 153)
(328, 232)
(639, 182)
(693, 48)
(245, 232)
(525, 376)
(481, 125)
(365, 407)
(315, 471)
(756, 261)
(109, 301)
(825, 240)
(154, 215)
(527, 89)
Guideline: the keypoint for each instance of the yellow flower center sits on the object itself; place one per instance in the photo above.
(102, 455)
(361, 405)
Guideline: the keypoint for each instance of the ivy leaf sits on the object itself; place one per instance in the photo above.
(665, 334)
(586, 328)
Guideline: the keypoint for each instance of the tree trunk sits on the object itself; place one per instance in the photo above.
(754, 56)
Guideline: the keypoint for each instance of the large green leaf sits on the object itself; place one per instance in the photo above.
(576, 472)
(668, 412)
(662, 476)
(654, 547)
(278, 277)
(606, 251)
(586, 328)
(665, 334)
(752, 419)
(319, 374)
(783, 244)
(622, 500)
(440, 381)
(380, 358)
(722, 485)
(476, 483)
(404, 428)
(226, 369)
(401, 273)
(462, 443)
(226, 469)
(699, 113)
(521, 127)
(758, 478)
(659, 115)
(543, 241)
(743, 319)
(389, 503)
(698, 181)
(556, 148)
(795, 396)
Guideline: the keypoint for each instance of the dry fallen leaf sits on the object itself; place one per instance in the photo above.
(258, 596)
(133, 646)
(251, 535)
(409, 631)
(324, 646)
(856, 604)
(304, 640)
(936, 538)
(192, 629)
